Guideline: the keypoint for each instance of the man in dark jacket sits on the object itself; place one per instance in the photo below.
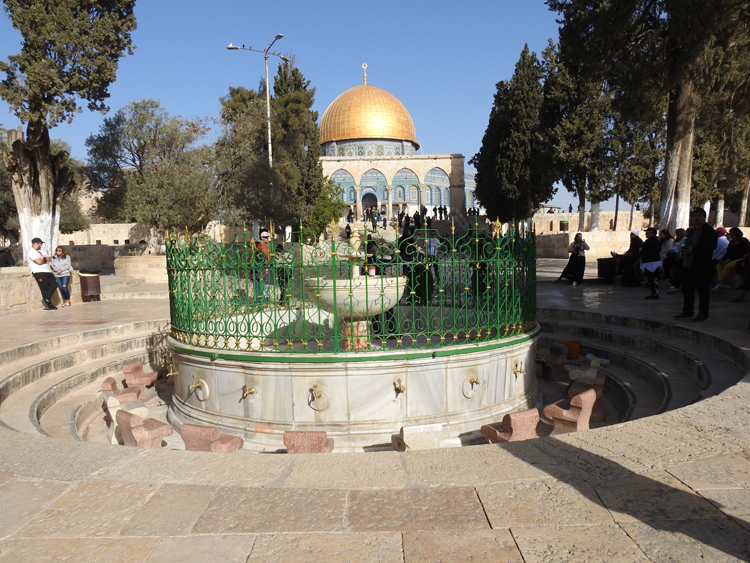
(697, 266)
(6, 258)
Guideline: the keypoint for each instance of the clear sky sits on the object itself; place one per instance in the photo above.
(440, 58)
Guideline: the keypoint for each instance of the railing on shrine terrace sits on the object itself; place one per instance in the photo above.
(426, 291)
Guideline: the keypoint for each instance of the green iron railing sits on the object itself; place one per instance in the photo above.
(423, 291)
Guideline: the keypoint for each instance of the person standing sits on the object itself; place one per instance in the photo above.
(38, 262)
(651, 262)
(697, 266)
(61, 267)
(577, 262)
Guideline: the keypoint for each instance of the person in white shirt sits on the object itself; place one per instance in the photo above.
(38, 262)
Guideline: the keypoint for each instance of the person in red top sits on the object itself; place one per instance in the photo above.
(259, 266)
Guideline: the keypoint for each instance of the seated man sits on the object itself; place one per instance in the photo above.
(629, 261)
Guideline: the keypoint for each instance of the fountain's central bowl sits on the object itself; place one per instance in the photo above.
(357, 298)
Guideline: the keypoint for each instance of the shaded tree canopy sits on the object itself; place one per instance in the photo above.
(658, 57)
(511, 182)
(287, 192)
(151, 168)
(70, 51)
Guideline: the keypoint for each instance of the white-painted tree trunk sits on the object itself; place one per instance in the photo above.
(595, 208)
(719, 219)
(743, 209)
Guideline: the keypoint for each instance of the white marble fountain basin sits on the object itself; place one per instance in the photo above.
(357, 298)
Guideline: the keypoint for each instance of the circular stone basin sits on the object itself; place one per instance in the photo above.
(357, 298)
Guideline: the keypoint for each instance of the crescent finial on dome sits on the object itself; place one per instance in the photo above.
(364, 66)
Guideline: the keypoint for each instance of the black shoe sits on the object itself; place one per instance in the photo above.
(700, 318)
(684, 315)
(50, 306)
(652, 297)
(46, 305)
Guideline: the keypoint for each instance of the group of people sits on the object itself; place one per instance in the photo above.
(689, 260)
(51, 273)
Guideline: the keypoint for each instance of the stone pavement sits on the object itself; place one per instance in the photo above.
(672, 487)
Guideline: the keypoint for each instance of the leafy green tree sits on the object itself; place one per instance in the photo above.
(658, 56)
(574, 123)
(326, 208)
(287, 192)
(151, 168)
(70, 51)
(511, 178)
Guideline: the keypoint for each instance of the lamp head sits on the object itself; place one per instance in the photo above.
(283, 58)
(278, 36)
(232, 47)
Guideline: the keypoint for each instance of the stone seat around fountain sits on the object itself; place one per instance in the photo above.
(515, 427)
(145, 434)
(208, 439)
(571, 415)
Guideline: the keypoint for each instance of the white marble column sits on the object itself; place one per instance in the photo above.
(389, 204)
(358, 199)
(421, 188)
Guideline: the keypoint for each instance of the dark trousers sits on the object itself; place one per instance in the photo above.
(653, 280)
(575, 268)
(47, 284)
(696, 280)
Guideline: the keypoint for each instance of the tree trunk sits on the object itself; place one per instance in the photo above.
(595, 208)
(719, 219)
(743, 209)
(40, 181)
(632, 210)
(675, 195)
(581, 210)
(617, 211)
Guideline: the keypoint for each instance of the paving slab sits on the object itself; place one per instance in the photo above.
(201, 549)
(722, 472)
(334, 471)
(21, 499)
(172, 510)
(719, 541)
(543, 503)
(62, 460)
(732, 502)
(455, 508)
(473, 466)
(247, 511)
(78, 550)
(452, 546)
(236, 469)
(91, 509)
(331, 548)
(577, 544)
(655, 496)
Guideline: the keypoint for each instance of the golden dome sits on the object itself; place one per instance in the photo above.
(366, 112)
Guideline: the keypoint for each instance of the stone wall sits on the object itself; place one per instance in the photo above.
(601, 243)
(96, 256)
(151, 269)
(20, 292)
(550, 222)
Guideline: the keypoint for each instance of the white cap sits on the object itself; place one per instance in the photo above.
(265, 234)
(635, 232)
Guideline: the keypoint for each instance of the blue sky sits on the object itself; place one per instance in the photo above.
(440, 58)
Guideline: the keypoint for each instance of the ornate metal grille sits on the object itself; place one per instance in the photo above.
(423, 291)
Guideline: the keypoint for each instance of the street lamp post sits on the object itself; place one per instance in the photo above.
(267, 51)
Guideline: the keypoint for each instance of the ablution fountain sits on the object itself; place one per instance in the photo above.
(356, 339)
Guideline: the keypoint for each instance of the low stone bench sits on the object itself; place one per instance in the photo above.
(146, 434)
(123, 395)
(577, 387)
(135, 376)
(421, 437)
(554, 361)
(208, 439)
(571, 415)
(313, 442)
(516, 427)
(590, 366)
(111, 406)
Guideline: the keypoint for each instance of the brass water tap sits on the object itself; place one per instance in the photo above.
(518, 370)
(473, 381)
(172, 371)
(316, 394)
(196, 385)
(248, 391)
(399, 387)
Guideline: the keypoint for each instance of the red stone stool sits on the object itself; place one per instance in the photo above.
(208, 439)
(572, 415)
(516, 427)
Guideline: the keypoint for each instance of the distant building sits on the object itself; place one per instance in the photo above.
(369, 148)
